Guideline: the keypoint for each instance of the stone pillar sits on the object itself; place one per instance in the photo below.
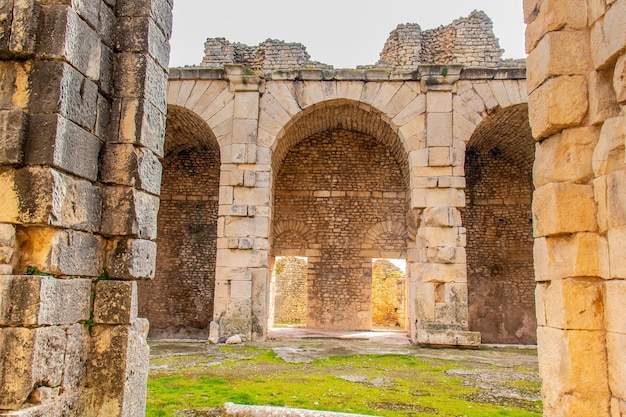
(439, 274)
(242, 265)
(577, 96)
(82, 111)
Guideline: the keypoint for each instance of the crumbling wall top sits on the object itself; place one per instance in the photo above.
(467, 41)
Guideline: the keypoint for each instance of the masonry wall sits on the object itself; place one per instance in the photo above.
(290, 294)
(499, 249)
(339, 184)
(179, 301)
(82, 111)
(577, 95)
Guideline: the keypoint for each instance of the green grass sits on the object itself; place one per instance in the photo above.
(388, 385)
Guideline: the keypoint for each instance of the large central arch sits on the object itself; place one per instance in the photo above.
(341, 171)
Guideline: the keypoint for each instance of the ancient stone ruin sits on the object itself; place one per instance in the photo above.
(511, 231)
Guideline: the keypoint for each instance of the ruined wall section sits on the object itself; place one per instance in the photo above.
(577, 99)
(290, 291)
(82, 110)
(467, 41)
(270, 55)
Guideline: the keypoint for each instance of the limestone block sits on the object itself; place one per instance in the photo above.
(446, 255)
(139, 76)
(600, 196)
(115, 302)
(572, 304)
(159, 10)
(242, 258)
(44, 195)
(450, 337)
(60, 252)
(438, 102)
(442, 236)
(142, 35)
(616, 199)
(283, 93)
(615, 306)
(241, 289)
(557, 104)
(608, 155)
(244, 131)
(439, 129)
(7, 243)
(486, 94)
(602, 103)
(563, 208)
(131, 259)
(616, 349)
(386, 95)
(415, 108)
(463, 128)
(76, 354)
(19, 28)
(118, 369)
(446, 273)
(617, 249)
(54, 140)
(452, 197)
(126, 164)
(452, 307)
(572, 366)
(577, 255)
(500, 93)
(619, 79)
(370, 91)
(558, 53)
(565, 157)
(246, 227)
(400, 101)
(442, 216)
(16, 381)
(65, 36)
(595, 10)
(57, 87)
(543, 16)
(14, 85)
(138, 122)
(439, 156)
(414, 133)
(251, 196)
(607, 35)
(424, 299)
(12, 134)
(129, 212)
(48, 357)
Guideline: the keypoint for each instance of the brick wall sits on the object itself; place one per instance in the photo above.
(340, 183)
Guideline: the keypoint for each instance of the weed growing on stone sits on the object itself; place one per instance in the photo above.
(383, 385)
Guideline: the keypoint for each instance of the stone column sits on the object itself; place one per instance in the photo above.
(577, 93)
(440, 273)
(78, 201)
(242, 265)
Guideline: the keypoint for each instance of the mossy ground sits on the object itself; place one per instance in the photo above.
(196, 381)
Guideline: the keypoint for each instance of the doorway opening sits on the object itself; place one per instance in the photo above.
(288, 292)
(389, 294)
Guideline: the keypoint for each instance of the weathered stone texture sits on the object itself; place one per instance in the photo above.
(579, 249)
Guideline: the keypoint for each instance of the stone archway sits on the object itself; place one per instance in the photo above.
(179, 301)
(341, 170)
(497, 216)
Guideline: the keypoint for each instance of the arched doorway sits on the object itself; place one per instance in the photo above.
(179, 301)
(342, 174)
(498, 169)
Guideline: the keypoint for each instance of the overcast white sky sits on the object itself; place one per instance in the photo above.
(342, 33)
